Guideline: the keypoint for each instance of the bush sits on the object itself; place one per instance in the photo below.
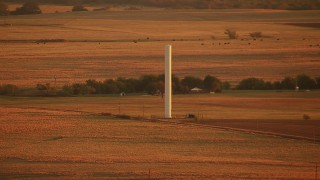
(288, 83)
(252, 84)
(191, 116)
(8, 89)
(79, 8)
(80, 89)
(306, 117)
(305, 82)
(190, 82)
(256, 34)
(123, 116)
(28, 8)
(231, 34)
(226, 85)
(317, 79)
(212, 84)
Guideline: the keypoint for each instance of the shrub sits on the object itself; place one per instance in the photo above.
(231, 34)
(305, 82)
(8, 89)
(28, 8)
(191, 116)
(317, 79)
(80, 89)
(306, 117)
(79, 8)
(190, 82)
(123, 116)
(252, 84)
(212, 84)
(226, 85)
(288, 83)
(256, 34)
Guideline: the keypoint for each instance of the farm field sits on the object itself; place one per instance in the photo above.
(271, 111)
(80, 136)
(56, 144)
(101, 45)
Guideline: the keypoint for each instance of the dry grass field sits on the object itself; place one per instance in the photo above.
(271, 111)
(101, 45)
(72, 137)
(52, 144)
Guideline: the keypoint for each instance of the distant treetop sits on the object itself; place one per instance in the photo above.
(198, 4)
(28, 8)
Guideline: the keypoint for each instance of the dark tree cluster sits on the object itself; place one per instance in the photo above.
(200, 4)
(150, 84)
(27, 8)
(9, 89)
(302, 81)
(154, 84)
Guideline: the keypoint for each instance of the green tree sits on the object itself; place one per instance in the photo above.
(190, 82)
(277, 85)
(226, 85)
(28, 8)
(288, 83)
(176, 84)
(8, 89)
(317, 79)
(251, 84)
(212, 84)
(97, 85)
(79, 8)
(81, 89)
(110, 87)
(146, 81)
(231, 34)
(305, 82)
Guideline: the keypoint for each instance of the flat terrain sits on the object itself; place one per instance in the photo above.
(100, 45)
(55, 144)
(74, 137)
(271, 111)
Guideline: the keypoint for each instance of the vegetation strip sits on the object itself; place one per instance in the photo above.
(154, 85)
(171, 121)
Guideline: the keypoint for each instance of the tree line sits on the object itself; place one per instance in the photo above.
(182, 4)
(29, 7)
(154, 85)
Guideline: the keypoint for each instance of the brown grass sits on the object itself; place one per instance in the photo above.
(230, 105)
(100, 45)
(51, 144)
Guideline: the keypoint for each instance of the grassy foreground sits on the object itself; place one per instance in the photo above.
(277, 105)
(55, 144)
(64, 137)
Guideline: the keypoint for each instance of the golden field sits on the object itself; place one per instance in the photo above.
(55, 144)
(74, 137)
(267, 111)
(100, 45)
(228, 105)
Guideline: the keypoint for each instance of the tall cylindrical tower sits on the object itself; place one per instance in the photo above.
(168, 81)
